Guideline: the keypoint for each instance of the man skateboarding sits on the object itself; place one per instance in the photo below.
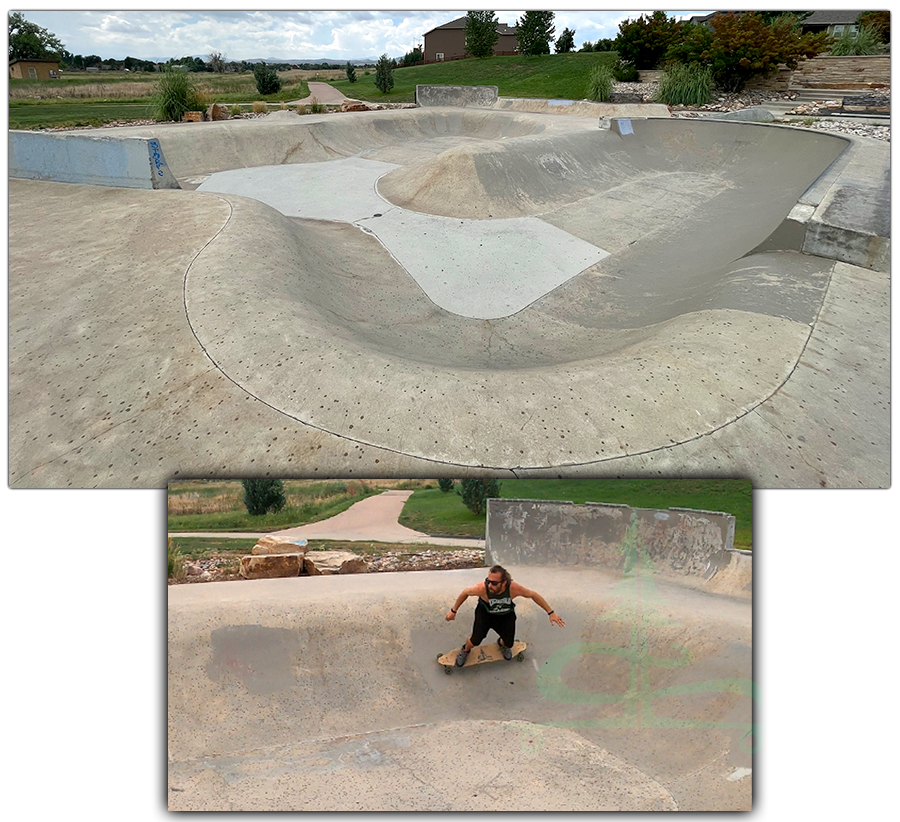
(496, 610)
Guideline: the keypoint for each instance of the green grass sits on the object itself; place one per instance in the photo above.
(35, 115)
(550, 76)
(435, 512)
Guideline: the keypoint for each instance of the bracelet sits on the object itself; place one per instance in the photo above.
(550, 612)
(452, 611)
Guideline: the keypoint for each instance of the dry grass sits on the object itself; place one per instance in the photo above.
(82, 91)
(260, 107)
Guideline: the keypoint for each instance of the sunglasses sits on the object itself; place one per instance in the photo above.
(493, 581)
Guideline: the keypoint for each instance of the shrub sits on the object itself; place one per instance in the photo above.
(260, 107)
(315, 107)
(600, 83)
(644, 42)
(384, 76)
(741, 46)
(446, 484)
(685, 84)
(351, 72)
(866, 41)
(176, 561)
(881, 20)
(236, 111)
(625, 72)
(267, 81)
(263, 495)
(301, 109)
(174, 93)
(476, 492)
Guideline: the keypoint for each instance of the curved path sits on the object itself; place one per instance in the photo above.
(374, 519)
(322, 93)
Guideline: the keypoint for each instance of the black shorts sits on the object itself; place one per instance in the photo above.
(503, 624)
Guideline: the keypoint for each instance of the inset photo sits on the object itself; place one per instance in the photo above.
(463, 644)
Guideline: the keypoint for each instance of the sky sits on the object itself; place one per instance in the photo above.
(298, 35)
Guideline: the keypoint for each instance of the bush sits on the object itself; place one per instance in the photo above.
(263, 495)
(315, 107)
(739, 47)
(260, 107)
(351, 72)
(600, 83)
(446, 484)
(625, 72)
(685, 84)
(644, 42)
(866, 41)
(236, 111)
(881, 20)
(476, 492)
(176, 561)
(267, 81)
(173, 94)
(384, 75)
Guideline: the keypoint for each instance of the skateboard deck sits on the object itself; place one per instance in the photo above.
(480, 654)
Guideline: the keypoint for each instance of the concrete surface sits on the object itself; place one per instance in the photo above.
(322, 93)
(482, 96)
(324, 693)
(211, 333)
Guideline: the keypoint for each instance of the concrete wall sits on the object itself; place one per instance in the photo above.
(677, 540)
(456, 95)
(79, 158)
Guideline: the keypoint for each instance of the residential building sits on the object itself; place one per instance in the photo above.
(448, 42)
(34, 69)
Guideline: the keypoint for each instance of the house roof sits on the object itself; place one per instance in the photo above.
(32, 60)
(830, 18)
(460, 23)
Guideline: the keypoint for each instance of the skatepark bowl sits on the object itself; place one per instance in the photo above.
(324, 693)
(399, 291)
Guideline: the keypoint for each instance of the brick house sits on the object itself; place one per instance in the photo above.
(34, 69)
(448, 42)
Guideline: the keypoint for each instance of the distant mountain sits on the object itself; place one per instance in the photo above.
(296, 60)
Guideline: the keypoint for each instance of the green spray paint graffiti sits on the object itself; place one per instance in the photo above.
(636, 595)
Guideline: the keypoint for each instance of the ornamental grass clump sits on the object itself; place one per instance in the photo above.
(174, 94)
(600, 83)
(685, 84)
(866, 41)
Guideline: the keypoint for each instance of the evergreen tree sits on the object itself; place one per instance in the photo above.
(263, 495)
(535, 31)
(481, 33)
(351, 72)
(476, 492)
(384, 76)
(566, 41)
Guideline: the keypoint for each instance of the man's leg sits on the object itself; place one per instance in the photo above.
(506, 627)
(479, 632)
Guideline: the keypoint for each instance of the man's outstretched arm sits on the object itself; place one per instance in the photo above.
(522, 591)
(468, 592)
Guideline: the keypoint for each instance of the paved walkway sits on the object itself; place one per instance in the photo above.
(323, 94)
(374, 519)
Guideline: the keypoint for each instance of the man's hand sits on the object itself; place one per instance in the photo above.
(556, 619)
(450, 616)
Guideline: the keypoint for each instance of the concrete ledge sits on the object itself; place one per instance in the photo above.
(78, 158)
(581, 108)
(456, 95)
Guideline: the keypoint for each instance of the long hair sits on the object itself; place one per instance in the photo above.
(499, 569)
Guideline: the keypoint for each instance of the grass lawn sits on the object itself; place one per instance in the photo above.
(69, 115)
(550, 76)
(435, 512)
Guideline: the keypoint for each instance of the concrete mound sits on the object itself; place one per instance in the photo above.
(323, 693)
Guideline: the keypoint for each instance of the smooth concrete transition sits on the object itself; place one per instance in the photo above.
(347, 306)
(324, 694)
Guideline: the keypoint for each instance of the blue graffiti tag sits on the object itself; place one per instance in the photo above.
(156, 154)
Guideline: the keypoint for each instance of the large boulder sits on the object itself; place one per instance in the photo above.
(355, 105)
(271, 566)
(333, 562)
(217, 112)
(273, 544)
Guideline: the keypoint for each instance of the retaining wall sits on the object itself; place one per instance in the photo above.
(600, 535)
(78, 158)
(844, 72)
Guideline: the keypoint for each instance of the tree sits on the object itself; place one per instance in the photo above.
(741, 46)
(881, 20)
(476, 492)
(351, 72)
(446, 485)
(411, 57)
(216, 62)
(263, 495)
(566, 42)
(535, 30)
(645, 41)
(29, 41)
(384, 76)
(267, 81)
(481, 33)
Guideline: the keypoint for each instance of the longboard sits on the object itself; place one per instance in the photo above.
(480, 654)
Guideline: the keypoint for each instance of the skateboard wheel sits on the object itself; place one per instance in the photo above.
(448, 670)
(520, 656)
(438, 656)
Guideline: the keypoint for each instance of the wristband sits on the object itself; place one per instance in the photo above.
(550, 612)
(452, 611)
